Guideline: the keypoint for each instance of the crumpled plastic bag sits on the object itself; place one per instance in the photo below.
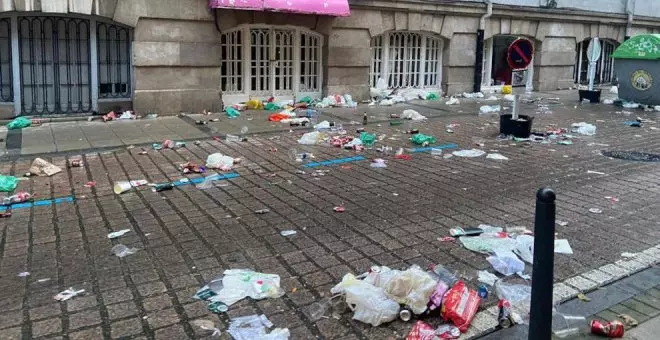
(584, 128)
(412, 287)
(19, 123)
(367, 139)
(254, 104)
(253, 327)
(272, 107)
(232, 112)
(311, 138)
(518, 295)
(237, 284)
(370, 303)
(506, 263)
(219, 161)
(8, 183)
(488, 109)
(380, 91)
(421, 139)
(452, 101)
(525, 248)
(488, 243)
(412, 115)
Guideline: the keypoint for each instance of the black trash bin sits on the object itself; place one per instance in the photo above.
(521, 128)
(593, 96)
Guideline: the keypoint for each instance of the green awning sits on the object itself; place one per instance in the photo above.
(643, 46)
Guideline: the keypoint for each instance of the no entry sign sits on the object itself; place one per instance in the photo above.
(520, 53)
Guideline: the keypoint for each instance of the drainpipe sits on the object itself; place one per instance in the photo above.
(630, 5)
(479, 63)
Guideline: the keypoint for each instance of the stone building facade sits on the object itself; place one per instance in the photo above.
(167, 56)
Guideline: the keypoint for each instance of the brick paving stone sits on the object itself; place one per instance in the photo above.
(122, 310)
(162, 318)
(172, 332)
(126, 328)
(93, 333)
(46, 327)
(84, 319)
(10, 319)
(641, 307)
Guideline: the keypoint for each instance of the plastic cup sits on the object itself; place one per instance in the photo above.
(568, 325)
(122, 186)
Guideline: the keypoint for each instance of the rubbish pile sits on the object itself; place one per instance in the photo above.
(383, 96)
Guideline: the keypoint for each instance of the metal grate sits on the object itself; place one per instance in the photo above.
(259, 61)
(632, 156)
(55, 62)
(6, 93)
(310, 63)
(114, 53)
(231, 78)
(406, 59)
(604, 66)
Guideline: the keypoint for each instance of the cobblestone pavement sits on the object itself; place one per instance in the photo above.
(393, 217)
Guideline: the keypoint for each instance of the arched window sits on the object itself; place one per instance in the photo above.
(406, 59)
(264, 61)
(604, 66)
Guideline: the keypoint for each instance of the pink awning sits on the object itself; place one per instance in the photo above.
(338, 8)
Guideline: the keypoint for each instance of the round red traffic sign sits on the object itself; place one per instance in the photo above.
(520, 53)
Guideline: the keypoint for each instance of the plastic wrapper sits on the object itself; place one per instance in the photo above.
(253, 327)
(311, 138)
(369, 303)
(412, 115)
(460, 305)
(518, 295)
(421, 139)
(19, 123)
(237, 284)
(219, 161)
(8, 183)
(254, 104)
(412, 287)
(367, 139)
(506, 263)
(232, 112)
(422, 331)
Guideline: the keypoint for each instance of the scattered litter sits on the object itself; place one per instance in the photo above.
(447, 239)
(628, 320)
(630, 105)
(412, 115)
(262, 211)
(19, 197)
(610, 329)
(563, 247)
(372, 305)
(469, 153)
(497, 156)
(123, 186)
(207, 325)
(506, 263)
(67, 294)
(565, 142)
(220, 161)
(608, 101)
(452, 101)
(121, 250)
(491, 98)
(412, 287)
(237, 284)
(117, 234)
(191, 167)
(459, 305)
(489, 109)
(23, 274)
(90, 184)
(76, 163)
(423, 331)
(19, 123)
(561, 223)
(595, 172)
(43, 280)
(288, 232)
(583, 297)
(41, 167)
(8, 183)
(509, 97)
(311, 138)
(486, 277)
(378, 163)
(422, 139)
(567, 326)
(253, 327)
(595, 211)
(339, 209)
(583, 128)
(629, 255)
(633, 123)
(232, 112)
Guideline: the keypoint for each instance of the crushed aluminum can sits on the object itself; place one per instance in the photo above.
(339, 209)
(405, 314)
(448, 332)
(76, 163)
(504, 317)
(612, 329)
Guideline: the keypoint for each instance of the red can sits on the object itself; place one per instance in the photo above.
(612, 329)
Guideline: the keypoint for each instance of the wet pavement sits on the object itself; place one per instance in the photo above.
(394, 216)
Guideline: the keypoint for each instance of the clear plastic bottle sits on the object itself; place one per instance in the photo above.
(441, 273)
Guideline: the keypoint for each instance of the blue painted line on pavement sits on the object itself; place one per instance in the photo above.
(428, 148)
(198, 180)
(334, 161)
(41, 203)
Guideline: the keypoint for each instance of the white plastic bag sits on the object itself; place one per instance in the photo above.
(506, 263)
(370, 303)
(240, 283)
(219, 161)
(584, 128)
(412, 115)
(322, 125)
(253, 327)
(386, 102)
(412, 287)
(452, 101)
(488, 109)
(311, 138)
(525, 248)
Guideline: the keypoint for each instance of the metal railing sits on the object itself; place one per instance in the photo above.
(114, 51)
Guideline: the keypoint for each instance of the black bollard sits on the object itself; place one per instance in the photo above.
(540, 323)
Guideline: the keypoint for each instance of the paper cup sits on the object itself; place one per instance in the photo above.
(122, 186)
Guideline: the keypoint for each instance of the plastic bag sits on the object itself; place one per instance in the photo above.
(311, 138)
(506, 263)
(254, 104)
(370, 303)
(236, 284)
(306, 100)
(519, 296)
(507, 89)
(253, 327)
(272, 107)
(19, 123)
(232, 112)
(219, 161)
(422, 331)
(432, 96)
(584, 128)
(421, 139)
(452, 101)
(8, 183)
(412, 115)
(367, 139)
(460, 305)
(488, 109)
(412, 287)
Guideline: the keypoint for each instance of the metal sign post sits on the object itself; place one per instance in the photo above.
(593, 54)
(519, 56)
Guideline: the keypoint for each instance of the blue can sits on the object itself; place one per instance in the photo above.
(483, 291)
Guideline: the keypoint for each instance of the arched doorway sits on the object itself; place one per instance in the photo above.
(496, 70)
(264, 61)
(604, 66)
(407, 59)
